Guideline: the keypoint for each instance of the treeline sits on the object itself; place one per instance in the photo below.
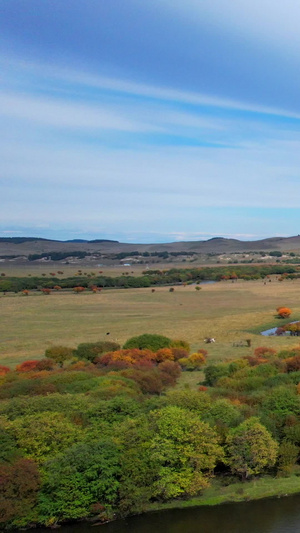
(150, 278)
(58, 256)
(99, 432)
(164, 254)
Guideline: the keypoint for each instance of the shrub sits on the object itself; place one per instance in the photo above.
(27, 366)
(91, 350)
(180, 343)
(193, 362)
(179, 353)
(59, 354)
(45, 290)
(264, 351)
(4, 370)
(78, 289)
(148, 341)
(126, 358)
(283, 312)
(171, 368)
(164, 354)
(45, 364)
(293, 363)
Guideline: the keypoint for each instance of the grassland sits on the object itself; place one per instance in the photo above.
(226, 311)
(265, 487)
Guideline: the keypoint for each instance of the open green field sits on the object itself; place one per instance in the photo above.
(226, 311)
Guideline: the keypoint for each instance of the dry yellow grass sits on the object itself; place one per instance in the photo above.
(224, 310)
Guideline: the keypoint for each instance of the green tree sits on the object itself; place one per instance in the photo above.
(85, 475)
(59, 354)
(91, 350)
(44, 435)
(186, 450)
(250, 448)
(148, 341)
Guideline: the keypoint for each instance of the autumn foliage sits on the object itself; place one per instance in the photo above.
(283, 312)
(27, 366)
(4, 370)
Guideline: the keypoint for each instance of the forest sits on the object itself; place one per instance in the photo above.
(102, 431)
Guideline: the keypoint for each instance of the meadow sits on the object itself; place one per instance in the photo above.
(230, 312)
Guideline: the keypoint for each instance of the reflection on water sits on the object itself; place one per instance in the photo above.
(263, 516)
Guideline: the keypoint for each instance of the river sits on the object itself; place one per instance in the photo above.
(278, 515)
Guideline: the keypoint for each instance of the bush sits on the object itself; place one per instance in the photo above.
(90, 350)
(181, 344)
(264, 351)
(148, 341)
(283, 312)
(193, 362)
(59, 354)
(27, 366)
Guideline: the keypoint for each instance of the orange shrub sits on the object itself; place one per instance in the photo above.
(164, 354)
(127, 358)
(284, 312)
(78, 289)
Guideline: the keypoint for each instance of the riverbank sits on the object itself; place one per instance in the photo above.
(257, 489)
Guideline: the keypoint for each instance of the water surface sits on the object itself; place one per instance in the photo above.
(261, 516)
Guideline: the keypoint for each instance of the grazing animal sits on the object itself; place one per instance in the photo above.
(209, 340)
(108, 333)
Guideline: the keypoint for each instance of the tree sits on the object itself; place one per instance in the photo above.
(59, 354)
(91, 350)
(44, 435)
(250, 448)
(186, 450)
(19, 485)
(151, 341)
(283, 312)
(87, 474)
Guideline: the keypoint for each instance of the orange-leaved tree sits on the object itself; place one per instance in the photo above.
(284, 312)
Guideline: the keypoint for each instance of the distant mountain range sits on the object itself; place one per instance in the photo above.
(33, 245)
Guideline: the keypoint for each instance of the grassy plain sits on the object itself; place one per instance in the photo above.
(230, 312)
(256, 489)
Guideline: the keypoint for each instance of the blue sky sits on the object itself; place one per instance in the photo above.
(149, 121)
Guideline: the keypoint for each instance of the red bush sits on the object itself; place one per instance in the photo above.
(45, 364)
(264, 351)
(27, 366)
(4, 370)
(179, 353)
(171, 368)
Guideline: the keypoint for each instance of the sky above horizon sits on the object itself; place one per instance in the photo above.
(149, 121)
